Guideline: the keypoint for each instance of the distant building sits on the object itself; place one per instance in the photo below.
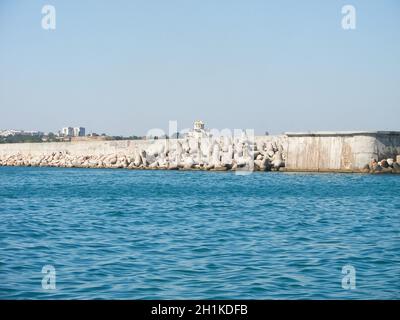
(79, 132)
(33, 133)
(72, 132)
(7, 133)
(67, 131)
(198, 126)
(198, 131)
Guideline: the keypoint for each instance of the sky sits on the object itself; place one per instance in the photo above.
(125, 67)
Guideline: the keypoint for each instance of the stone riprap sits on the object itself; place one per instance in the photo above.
(219, 154)
(384, 166)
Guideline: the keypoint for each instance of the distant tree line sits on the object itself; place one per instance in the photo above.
(51, 137)
(20, 138)
(126, 138)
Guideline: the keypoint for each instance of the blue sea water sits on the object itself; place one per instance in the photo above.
(122, 234)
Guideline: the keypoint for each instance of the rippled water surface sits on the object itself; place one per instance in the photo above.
(124, 234)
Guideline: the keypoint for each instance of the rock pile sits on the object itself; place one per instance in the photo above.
(383, 166)
(220, 154)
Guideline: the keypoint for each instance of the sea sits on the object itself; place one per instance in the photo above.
(141, 234)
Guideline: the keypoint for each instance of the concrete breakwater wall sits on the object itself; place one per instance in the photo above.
(365, 151)
(374, 152)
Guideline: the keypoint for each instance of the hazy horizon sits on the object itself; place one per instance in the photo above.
(124, 68)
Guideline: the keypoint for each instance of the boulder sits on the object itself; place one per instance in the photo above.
(234, 165)
(396, 167)
(384, 163)
(172, 166)
(220, 168)
(188, 163)
(366, 169)
(387, 170)
(277, 160)
(112, 160)
(153, 165)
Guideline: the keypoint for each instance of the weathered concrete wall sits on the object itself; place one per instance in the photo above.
(74, 148)
(387, 145)
(340, 151)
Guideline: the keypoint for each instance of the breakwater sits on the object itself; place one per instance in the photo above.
(369, 152)
(225, 153)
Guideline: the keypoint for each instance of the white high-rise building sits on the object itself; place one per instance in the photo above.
(79, 132)
(73, 132)
(67, 131)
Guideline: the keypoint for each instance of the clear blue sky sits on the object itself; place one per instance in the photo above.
(123, 67)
